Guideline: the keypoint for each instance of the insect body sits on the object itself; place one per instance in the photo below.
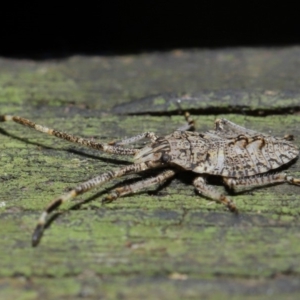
(242, 157)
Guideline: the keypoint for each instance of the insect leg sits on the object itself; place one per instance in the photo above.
(225, 127)
(208, 191)
(266, 179)
(149, 135)
(135, 187)
(71, 138)
(82, 188)
(190, 126)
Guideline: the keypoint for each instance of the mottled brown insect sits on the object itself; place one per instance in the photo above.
(242, 157)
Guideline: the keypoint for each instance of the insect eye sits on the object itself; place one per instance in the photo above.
(165, 158)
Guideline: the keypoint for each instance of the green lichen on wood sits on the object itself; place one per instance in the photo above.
(169, 233)
(168, 243)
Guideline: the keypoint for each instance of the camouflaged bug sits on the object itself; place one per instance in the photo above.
(242, 157)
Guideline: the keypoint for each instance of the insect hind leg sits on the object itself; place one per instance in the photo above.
(266, 179)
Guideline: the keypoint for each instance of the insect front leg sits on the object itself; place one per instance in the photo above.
(208, 191)
(137, 186)
(150, 135)
(82, 188)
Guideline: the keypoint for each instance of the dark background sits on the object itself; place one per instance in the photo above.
(49, 30)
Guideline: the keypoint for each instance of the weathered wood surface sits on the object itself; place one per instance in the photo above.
(164, 243)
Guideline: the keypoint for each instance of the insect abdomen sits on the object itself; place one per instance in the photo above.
(246, 157)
